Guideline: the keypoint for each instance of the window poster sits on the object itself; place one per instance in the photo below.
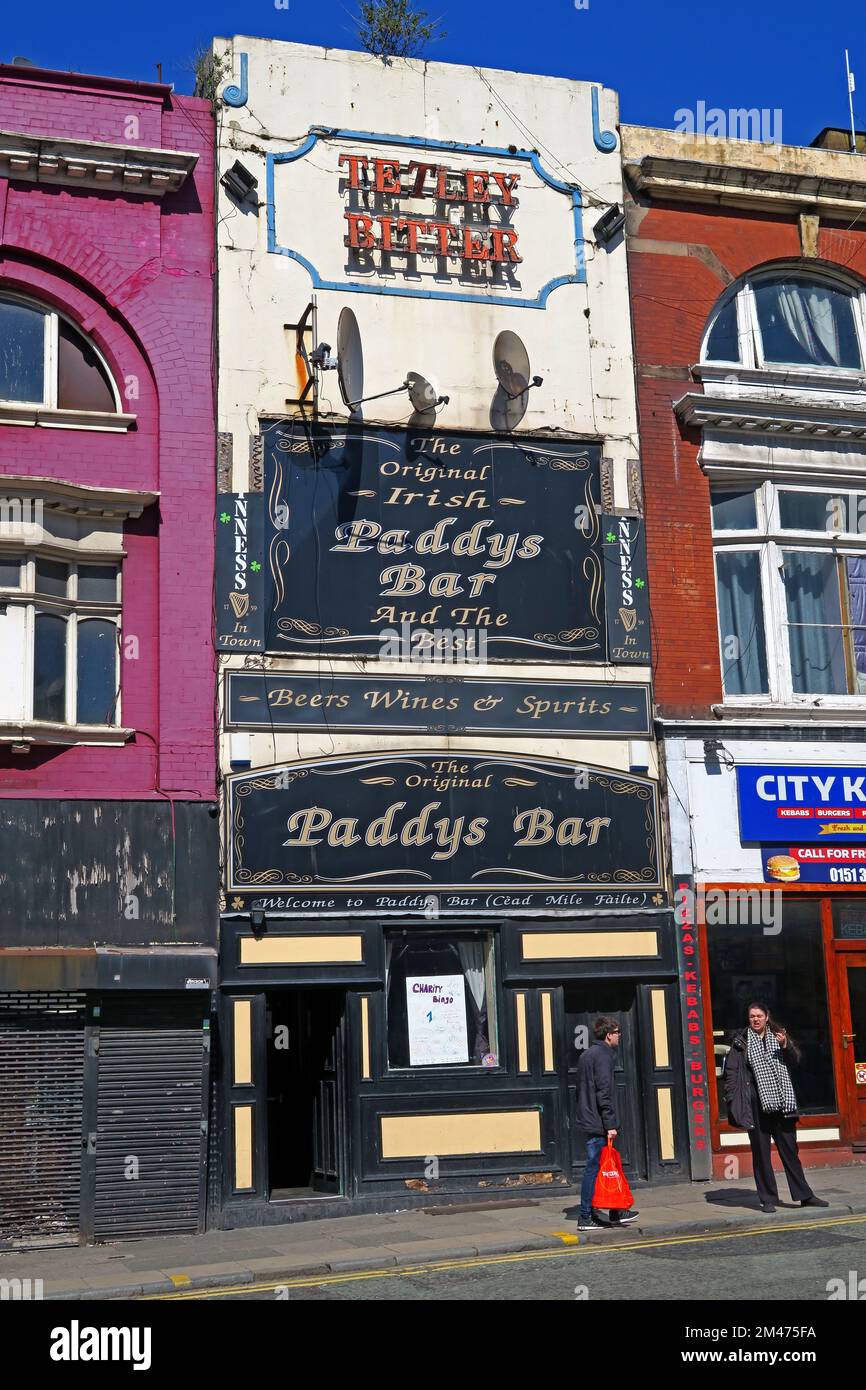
(436, 1018)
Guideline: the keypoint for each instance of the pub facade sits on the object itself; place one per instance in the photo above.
(443, 851)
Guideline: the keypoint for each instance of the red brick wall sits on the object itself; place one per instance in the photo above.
(673, 295)
(136, 273)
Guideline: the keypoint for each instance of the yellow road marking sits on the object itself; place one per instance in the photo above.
(481, 1261)
(567, 1237)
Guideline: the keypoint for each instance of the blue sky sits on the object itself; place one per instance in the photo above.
(660, 56)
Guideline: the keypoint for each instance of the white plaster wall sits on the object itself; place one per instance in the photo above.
(580, 344)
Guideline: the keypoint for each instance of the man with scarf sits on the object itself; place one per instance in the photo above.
(760, 1098)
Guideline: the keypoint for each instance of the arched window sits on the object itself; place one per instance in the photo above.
(789, 318)
(45, 361)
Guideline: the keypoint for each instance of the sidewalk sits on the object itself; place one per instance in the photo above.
(344, 1244)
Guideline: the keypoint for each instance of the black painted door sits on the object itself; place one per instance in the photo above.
(582, 1004)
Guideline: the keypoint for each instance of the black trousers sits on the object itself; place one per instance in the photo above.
(784, 1131)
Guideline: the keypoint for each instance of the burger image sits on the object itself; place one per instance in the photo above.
(783, 867)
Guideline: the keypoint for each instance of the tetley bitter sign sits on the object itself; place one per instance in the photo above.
(432, 832)
(369, 531)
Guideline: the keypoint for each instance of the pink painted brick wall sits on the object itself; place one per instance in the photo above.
(136, 273)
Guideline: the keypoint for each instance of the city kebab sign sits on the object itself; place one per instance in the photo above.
(455, 224)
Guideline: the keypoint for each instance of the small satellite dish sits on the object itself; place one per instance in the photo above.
(422, 393)
(511, 365)
(424, 399)
(350, 360)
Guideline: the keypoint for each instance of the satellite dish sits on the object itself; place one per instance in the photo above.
(511, 365)
(422, 393)
(350, 360)
(424, 399)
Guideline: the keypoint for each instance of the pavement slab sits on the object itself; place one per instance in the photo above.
(410, 1236)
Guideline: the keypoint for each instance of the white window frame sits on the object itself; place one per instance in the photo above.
(772, 542)
(749, 333)
(51, 357)
(74, 612)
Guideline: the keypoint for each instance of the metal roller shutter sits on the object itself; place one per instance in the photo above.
(151, 1126)
(41, 1115)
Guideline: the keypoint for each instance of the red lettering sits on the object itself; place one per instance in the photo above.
(477, 190)
(443, 232)
(412, 226)
(421, 173)
(360, 231)
(474, 246)
(387, 176)
(507, 184)
(356, 163)
(387, 224)
(504, 242)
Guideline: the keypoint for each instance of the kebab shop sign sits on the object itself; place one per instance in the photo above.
(788, 804)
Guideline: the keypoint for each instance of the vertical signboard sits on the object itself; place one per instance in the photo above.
(626, 592)
(239, 572)
(698, 1081)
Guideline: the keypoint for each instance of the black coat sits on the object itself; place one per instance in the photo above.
(741, 1088)
(595, 1110)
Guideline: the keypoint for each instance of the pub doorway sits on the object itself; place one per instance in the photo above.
(583, 1003)
(306, 1093)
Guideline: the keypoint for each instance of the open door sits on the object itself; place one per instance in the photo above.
(852, 997)
(306, 1093)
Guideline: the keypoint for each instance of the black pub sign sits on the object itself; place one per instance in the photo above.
(440, 832)
(437, 703)
(375, 533)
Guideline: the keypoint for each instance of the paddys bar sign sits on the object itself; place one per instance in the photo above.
(473, 831)
(370, 529)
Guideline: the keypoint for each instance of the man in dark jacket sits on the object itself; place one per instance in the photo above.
(760, 1097)
(595, 1117)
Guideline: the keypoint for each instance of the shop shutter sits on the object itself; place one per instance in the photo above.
(41, 1117)
(151, 1117)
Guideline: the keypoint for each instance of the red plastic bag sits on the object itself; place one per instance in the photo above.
(612, 1192)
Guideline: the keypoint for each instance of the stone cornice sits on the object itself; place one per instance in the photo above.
(78, 499)
(744, 415)
(90, 164)
(669, 165)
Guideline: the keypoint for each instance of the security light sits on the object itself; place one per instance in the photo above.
(608, 225)
(239, 182)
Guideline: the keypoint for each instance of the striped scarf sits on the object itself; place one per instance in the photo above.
(775, 1088)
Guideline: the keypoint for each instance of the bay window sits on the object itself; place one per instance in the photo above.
(59, 640)
(791, 593)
